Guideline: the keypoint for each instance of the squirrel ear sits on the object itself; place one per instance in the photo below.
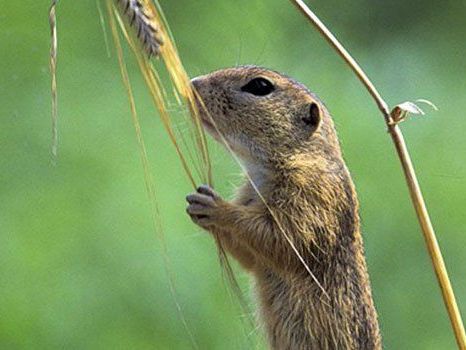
(312, 118)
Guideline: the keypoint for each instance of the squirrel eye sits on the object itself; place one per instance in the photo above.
(258, 87)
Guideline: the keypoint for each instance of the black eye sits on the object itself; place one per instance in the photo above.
(258, 87)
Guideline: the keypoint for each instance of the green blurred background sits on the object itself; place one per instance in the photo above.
(80, 264)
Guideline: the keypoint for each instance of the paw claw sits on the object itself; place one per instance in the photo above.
(200, 199)
(207, 190)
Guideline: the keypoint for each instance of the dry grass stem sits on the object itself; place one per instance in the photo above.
(103, 26)
(392, 120)
(53, 71)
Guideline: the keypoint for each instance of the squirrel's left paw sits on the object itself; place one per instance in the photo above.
(204, 206)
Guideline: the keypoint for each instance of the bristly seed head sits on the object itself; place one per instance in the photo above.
(142, 19)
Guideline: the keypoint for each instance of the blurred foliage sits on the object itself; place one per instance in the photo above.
(81, 267)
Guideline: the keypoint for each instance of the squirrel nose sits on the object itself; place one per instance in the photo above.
(199, 82)
(196, 82)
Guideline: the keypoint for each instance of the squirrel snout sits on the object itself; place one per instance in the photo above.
(201, 82)
(195, 82)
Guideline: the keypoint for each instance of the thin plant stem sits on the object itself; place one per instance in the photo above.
(409, 173)
(53, 70)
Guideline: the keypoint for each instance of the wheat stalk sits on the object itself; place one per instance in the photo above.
(392, 119)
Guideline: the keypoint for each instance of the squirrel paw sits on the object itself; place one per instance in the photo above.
(204, 206)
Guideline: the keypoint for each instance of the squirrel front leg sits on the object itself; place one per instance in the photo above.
(200, 208)
(248, 232)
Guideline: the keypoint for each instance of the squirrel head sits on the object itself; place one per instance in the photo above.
(265, 117)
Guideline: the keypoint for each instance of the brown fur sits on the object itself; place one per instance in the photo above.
(300, 172)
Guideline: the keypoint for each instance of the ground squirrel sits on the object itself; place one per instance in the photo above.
(286, 140)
